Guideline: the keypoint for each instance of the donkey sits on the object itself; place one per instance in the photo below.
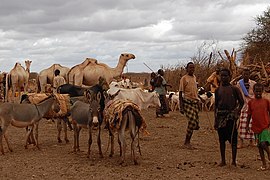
(86, 115)
(130, 120)
(23, 115)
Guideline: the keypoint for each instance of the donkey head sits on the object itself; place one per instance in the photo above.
(94, 112)
(56, 104)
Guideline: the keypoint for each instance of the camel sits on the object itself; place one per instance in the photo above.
(46, 76)
(88, 72)
(17, 78)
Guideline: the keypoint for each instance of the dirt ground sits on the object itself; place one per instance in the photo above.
(162, 155)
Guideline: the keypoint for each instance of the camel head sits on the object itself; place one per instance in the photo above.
(126, 56)
(27, 65)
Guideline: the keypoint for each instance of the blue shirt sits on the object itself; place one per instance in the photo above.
(162, 89)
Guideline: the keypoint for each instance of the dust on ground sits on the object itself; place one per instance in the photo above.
(162, 155)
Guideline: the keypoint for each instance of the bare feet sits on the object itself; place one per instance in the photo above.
(188, 146)
(262, 168)
(234, 164)
(222, 164)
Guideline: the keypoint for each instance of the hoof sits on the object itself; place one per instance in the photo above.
(67, 141)
(59, 140)
(123, 163)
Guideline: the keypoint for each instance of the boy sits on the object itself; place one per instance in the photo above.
(161, 89)
(259, 110)
(228, 104)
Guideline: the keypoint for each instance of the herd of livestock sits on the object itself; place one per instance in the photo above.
(80, 107)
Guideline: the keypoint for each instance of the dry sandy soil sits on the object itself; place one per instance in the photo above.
(162, 155)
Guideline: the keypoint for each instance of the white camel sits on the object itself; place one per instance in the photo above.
(46, 76)
(18, 78)
(88, 72)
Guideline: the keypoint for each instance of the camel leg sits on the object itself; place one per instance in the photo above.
(78, 79)
(13, 92)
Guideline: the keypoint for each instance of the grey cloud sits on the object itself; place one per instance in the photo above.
(67, 32)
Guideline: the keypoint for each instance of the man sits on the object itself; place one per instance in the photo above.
(228, 104)
(188, 99)
(161, 88)
(245, 86)
(214, 80)
(58, 80)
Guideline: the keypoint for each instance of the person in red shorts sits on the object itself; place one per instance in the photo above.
(259, 110)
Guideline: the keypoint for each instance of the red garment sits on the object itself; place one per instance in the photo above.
(259, 110)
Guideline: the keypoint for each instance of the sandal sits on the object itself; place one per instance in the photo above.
(262, 169)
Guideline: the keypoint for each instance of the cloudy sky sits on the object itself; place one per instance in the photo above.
(157, 32)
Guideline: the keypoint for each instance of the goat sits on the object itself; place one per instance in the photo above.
(207, 99)
(174, 101)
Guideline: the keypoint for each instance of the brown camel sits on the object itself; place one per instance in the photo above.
(46, 76)
(88, 72)
(18, 78)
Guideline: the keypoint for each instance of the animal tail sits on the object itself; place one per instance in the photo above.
(138, 123)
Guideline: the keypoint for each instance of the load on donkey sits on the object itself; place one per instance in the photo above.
(119, 116)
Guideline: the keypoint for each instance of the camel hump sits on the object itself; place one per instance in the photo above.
(91, 60)
(17, 64)
(56, 66)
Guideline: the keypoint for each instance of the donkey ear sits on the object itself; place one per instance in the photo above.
(87, 94)
(98, 96)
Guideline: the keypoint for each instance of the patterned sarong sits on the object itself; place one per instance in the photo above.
(191, 110)
(243, 133)
(223, 116)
